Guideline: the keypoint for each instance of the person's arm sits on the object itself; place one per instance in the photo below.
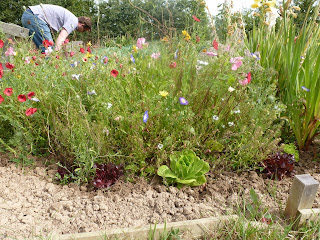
(61, 38)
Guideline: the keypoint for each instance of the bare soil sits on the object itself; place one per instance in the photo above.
(31, 204)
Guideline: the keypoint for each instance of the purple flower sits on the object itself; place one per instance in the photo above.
(145, 116)
(306, 89)
(132, 58)
(176, 54)
(183, 101)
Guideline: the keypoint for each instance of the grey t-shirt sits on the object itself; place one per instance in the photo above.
(57, 17)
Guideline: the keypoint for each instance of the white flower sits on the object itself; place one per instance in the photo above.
(48, 51)
(198, 67)
(106, 131)
(272, 17)
(76, 76)
(230, 124)
(93, 92)
(35, 99)
(231, 89)
(223, 126)
(160, 146)
(215, 118)
(202, 62)
(236, 111)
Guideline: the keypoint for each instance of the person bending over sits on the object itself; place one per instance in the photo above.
(43, 19)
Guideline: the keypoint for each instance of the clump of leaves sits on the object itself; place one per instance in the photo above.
(65, 173)
(278, 165)
(106, 175)
(186, 168)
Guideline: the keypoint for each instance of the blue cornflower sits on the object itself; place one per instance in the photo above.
(132, 58)
(145, 116)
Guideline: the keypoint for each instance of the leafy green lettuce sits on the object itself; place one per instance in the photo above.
(185, 169)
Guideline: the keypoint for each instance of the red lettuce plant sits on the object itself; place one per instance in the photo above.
(106, 175)
(278, 165)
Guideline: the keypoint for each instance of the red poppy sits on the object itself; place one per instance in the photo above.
(1, 99)
(198, 39)
(34, 58)
(8, 91)
(1, 70)
(31, 111)
(9, 65)
(173, 65)
(46, 43)
(96, 58)
(1, 43)
(114, 73)
(66, 41)
(82, 50)
(195, 18)
(89, 50)
(57, 57)
(22, 98)
(215, 44)
(249, 77)
(30, 95)
(71, 54)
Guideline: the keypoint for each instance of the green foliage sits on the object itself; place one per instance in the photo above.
(185, 169)
(291, 149)
(294, 57)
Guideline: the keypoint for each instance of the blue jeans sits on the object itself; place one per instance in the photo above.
(38, 28)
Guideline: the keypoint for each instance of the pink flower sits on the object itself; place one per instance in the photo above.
(246, 80)
(27, 60)
(1, 99)
(195, 18)
(155, 55)
(71, 54)
(212, 54)
(173, 65)
(10, 52)
(141, 42)
(215, 44)
(236, 63)
(31, 111)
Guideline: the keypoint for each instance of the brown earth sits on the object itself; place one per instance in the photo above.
(32, 205)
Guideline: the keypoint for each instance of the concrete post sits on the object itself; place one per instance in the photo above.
(302, 194)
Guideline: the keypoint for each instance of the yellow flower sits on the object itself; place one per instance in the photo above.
(187, 37)
(266, 23)
(89, 44)
(271, 4)
(163, 93)
(255, 5)
(164, 39)
(88, 55)
(135, 48)
(19, 76)
(296, 8)
(268, 9)
(204, 50)
(256, 14)
(184, 32)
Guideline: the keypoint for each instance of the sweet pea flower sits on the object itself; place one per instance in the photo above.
(141, 42)
(246, 81)
(236, 63)
(155, 55)
(10, 52)
(212, 54)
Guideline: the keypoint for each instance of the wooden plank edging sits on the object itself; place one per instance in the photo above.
(192, 228)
